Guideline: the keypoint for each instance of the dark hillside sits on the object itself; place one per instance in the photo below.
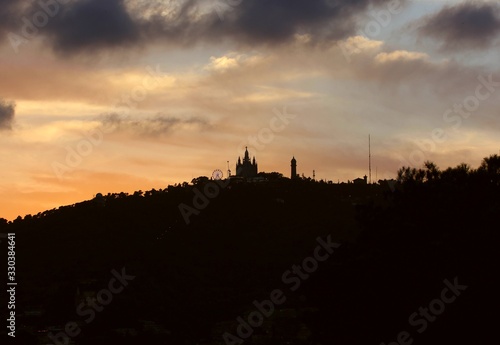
(397, 247)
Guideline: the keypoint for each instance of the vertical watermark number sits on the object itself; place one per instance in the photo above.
(11, 284)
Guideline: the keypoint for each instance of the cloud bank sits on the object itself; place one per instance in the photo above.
(159, 125)
(465, 26)
(90, 25)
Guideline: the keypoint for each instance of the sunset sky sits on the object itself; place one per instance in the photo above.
(124, 95)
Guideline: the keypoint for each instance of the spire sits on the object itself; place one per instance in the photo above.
(254, 160)
(247, 157)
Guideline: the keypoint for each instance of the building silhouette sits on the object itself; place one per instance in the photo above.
(247, 168)
(294, 168)
(361, 180)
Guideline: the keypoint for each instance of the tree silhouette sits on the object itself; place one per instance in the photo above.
(200, 180)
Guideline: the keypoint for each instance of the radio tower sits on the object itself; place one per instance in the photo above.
(369, 160)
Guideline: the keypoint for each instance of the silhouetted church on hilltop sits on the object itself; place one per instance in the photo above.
(247, 168)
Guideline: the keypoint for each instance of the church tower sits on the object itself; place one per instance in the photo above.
(246, 168)
(294, 168)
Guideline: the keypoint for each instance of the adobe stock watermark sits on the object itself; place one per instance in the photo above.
(201, 200)
(30, 27)
(380, 19)
(266, 135)
(428, 314)
(139, 93)
(75, 154)
(212, 189)
(453, 115)
(89, 308)
(293, 278)
(223, 6)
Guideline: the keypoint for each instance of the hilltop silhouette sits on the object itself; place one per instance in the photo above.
(397, 245)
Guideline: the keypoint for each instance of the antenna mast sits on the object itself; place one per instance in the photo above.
(369, 160)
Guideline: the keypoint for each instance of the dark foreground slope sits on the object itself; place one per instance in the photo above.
(399, 249)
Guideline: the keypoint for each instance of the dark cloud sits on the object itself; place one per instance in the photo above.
(262, 21)
(156, 126)
(10, 12)
(7, 112)
(93, 24)
(465, 26)
(88, 25)
(279, 20)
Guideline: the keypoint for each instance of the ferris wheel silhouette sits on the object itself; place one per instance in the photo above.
(217, 174)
